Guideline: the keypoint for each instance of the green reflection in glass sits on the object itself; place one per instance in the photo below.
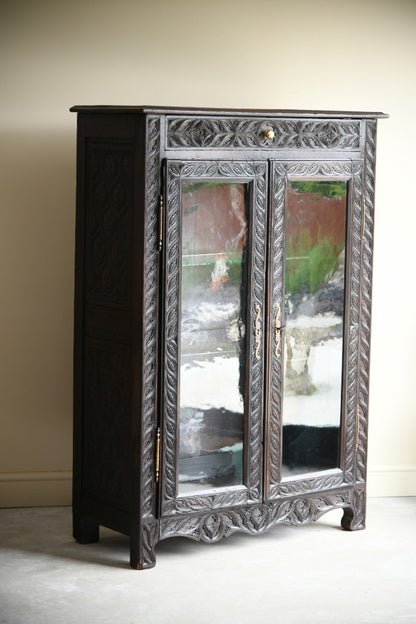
(316, 213)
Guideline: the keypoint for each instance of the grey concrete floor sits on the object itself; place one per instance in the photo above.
(316, 573)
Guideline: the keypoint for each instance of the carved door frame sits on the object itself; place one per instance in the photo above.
(256, 175)
(282, 172)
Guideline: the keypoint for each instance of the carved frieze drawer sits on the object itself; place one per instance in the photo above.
(237, 132)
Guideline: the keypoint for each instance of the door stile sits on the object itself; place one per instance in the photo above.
(257, 320)
(275, 318)
(161, 244)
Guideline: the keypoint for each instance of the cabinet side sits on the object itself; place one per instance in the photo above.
(105, 339)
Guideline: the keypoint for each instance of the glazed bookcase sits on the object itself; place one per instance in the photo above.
(222, 320)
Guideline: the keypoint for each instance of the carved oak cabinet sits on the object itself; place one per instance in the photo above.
(222, 320)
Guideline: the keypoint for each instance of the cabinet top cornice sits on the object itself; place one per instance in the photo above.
(243, 112)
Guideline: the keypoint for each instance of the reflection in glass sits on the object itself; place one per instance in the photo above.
(314, 308)
(213, 319)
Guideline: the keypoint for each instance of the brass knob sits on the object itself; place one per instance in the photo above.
(268, 134)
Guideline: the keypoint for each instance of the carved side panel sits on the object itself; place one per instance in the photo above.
(108, 219)
(256, 173)
(106, 440)
(213, 526)
(232, 133)
(107, 395)
(352, 170)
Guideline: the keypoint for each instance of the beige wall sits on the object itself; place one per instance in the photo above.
(357, 55)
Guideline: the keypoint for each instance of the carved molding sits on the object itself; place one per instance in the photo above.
(204, 502)
(353, 315)
(276, 363)
(315, 484)
(255, 386)
(213, 526)
(302, 168)
(150, 295)
(172, 242)
(365, 302)
(257, 174)
(232, 133)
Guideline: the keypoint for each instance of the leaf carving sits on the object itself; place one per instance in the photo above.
(231, 133)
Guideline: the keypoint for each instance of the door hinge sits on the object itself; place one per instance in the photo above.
(160, 223)
(157, 459)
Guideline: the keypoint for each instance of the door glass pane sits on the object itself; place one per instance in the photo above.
(212, 325)
(314, 308)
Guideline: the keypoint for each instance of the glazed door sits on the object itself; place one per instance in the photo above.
(214, 334)
(315, 236)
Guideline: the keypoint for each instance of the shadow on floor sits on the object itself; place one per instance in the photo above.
(48, 531)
